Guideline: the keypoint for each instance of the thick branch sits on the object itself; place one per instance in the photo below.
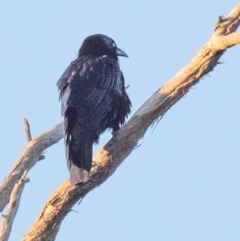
(226, 41)
(120, 146)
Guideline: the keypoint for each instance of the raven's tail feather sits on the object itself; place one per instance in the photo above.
(78, 175)
(79, 157)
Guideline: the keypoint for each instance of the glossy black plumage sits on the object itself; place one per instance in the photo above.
(93, 99)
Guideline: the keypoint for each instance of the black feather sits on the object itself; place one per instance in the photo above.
(93, 99)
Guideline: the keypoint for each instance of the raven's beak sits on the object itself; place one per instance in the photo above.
(119, 52)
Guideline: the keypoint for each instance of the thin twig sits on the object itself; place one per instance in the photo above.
(9, 216)
(27, 129)
(29, 136)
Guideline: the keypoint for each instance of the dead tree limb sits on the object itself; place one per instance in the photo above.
(10, 214)
(120, 146)
(28, 159)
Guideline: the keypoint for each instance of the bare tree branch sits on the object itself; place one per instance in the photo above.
(15, 197)
(120, 146)
(29, 136)
(9, 216)
(27, 129)
(27, 160)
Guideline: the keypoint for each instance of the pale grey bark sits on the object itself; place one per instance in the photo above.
(10, 214)
(27, 160)
(120, 146)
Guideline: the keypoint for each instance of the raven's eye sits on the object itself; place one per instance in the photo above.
(114, 45)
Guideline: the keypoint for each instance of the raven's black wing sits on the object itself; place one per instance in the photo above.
(93, 99)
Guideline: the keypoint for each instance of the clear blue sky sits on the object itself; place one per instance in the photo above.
(182, 183)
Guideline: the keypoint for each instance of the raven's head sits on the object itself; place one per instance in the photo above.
(99, 45)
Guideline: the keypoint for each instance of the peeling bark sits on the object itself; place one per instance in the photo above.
(126, 139)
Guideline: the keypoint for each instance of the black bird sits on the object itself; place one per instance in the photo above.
(93, 99)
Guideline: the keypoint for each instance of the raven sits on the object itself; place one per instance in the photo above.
(93, 99)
